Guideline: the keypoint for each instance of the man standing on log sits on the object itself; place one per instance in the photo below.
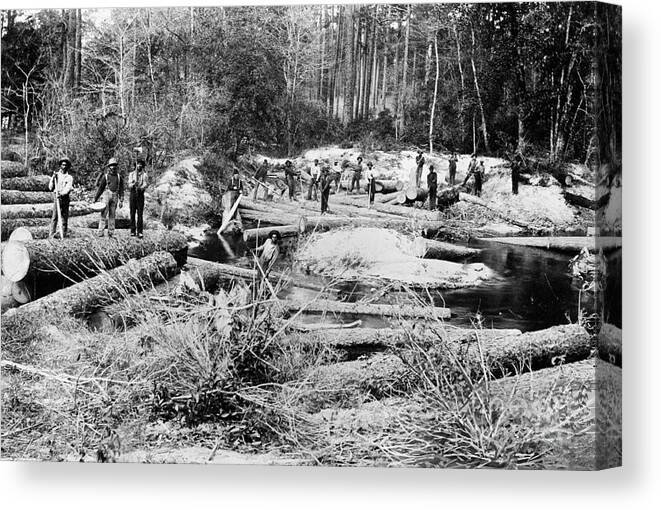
(137, 186)
(432, 183)
(336, 176)
(61, 182)
(371, 184)
(111, 186)
(472, 170)
(315, 175)
(516, 172)
(357, 174)
(420, 161)
(290, 175)
(260, 176)
(325, 185)
(452, 168)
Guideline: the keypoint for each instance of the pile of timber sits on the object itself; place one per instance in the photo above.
(89, 295)
(40, 265)
(562, 243)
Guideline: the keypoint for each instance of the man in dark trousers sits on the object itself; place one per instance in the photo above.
(420, 160)
(516, 172)
(290, 175)
(432, 183)
(325, 187)
(336, 176)
(357, 174)
(472, 169)
(260, 176)
(452, 168)
(315, 175)
(371, 184)
(137, 187)
(110, 184)
(61, 182)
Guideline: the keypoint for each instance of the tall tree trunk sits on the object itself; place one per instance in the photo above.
(433, 105)
(462, 97)
(483, 125)
(350, 68)
(384, 79)
(405, 66)
(79, 49)
(150, 61)
(71, 49)
(396, 73)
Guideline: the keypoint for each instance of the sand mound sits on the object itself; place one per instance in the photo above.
(387, 254)
(181, 187)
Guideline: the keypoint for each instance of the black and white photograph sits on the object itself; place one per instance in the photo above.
(348, 235)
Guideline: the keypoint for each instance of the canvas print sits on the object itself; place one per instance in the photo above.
(378, 235)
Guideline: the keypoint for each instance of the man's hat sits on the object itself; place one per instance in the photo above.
(275, 233)
(64, 160)
(112, 161)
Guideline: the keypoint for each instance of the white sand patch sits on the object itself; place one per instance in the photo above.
(182, 187)
(382, 253)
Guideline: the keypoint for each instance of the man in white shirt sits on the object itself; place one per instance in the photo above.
(61, 182)
(137, 187)
(315, 174)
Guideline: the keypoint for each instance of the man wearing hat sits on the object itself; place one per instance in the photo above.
(137, 187)
(420, 162)
(290, 175)
(371, 184)
(269, 252)
(61, 182)
(357, 174)
(325, 185)
(111, 185)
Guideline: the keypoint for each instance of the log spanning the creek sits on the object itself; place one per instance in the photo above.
(259, 235)
(429, 249)
(12, 169)
(34, 183)
(8, 196)
(43, 210)
(340, 307)
(89, 295)
(40, 263)
(562, 244)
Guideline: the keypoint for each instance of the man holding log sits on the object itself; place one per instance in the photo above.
(315, 175)
(357, 174)
(260, 176)
(432, 183)
(137, 185)
(110, 184)
(61, 183)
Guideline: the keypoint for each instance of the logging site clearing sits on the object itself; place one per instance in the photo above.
(385, 331)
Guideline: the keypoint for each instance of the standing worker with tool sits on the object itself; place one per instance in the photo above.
(432, 183)
(61, 183)
(357, 174)
(420, 161)
(137, 187)
(290, 175)
(315, 175)
(110, 184)
(371, 185)
(260, 176)
(325, 185)
(452, 168)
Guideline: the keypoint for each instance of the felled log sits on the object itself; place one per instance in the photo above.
(9, 155)
(89, 295)
(7, 303)
(388, 186)
(20, 292)
(121, 223)
(34, 183)
(562, 244)
(413, 194)
(375, 338)
(22, 234)
(8, 196)
(260, 235)
(339, 307)
(5, 286)
(447, 197)
(12, 169)
(410, 212)
(429, 249)
(7, 226)
(16, 211)
(501, 214)
(386, 198)
(609, 343)
(43, 263)
(580, 200)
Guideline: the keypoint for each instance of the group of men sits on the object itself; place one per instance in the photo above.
(110, 186)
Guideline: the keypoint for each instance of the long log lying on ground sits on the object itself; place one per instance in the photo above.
(429, 249)
(273, 217)
(493, 208)
(8, 196)
(339, 307)
(563, 244)
(389, 186)
(41, 264)
(410, 212)
(34, 183)
(340, 204)
(374, 338)
(16, 211)
(580, 200)
(386, 198)
(89, 295)
(12, 169)
(7, 226)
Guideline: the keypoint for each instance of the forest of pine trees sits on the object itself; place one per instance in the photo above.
(543, 78)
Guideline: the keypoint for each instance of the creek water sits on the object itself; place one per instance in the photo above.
(534, 288)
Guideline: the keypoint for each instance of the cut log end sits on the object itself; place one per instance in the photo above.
(15, 261)
(21, 234)
(21, 293)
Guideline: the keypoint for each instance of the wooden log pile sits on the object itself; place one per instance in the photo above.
(34, 183)
(8, 196)
(42, 210)
(12, 169)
